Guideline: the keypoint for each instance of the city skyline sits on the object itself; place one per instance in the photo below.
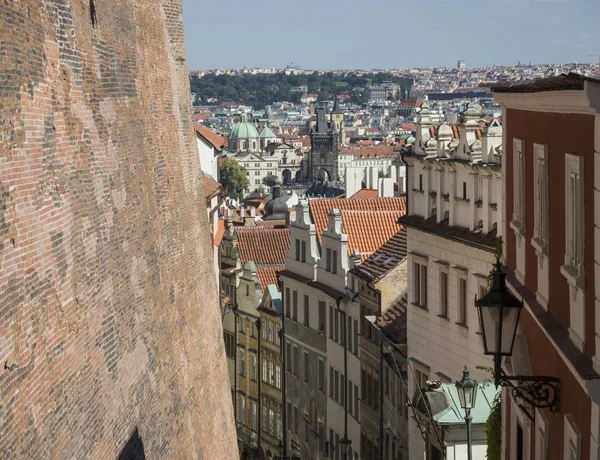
(267, 35)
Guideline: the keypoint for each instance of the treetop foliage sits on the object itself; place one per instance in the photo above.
(264, 89)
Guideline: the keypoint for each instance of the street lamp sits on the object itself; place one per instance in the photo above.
(499, 311)
(345, 446)
(467, 395)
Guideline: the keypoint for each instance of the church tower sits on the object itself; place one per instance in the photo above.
(337, 116)
(324, 140)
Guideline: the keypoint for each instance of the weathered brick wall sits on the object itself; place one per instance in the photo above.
(110, 334)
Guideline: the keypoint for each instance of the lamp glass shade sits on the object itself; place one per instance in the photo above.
(467, 390)
(498, 328)
(345, 445)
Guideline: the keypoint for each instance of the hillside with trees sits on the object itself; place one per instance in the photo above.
(263, 89)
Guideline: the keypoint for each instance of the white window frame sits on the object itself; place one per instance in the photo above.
(420, 298)
(574, 220)
(572, 440)
(541, 436)
(517, 416)
(518, 220)
(540, 202)
(444, 297)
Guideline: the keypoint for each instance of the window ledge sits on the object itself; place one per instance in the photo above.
(574, 275)
(464, 325)
(518, 227)
(541, 248)
(444, 317)
(422, 307)
(445, 196)
(462, 200)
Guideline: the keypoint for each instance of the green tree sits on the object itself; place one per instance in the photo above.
(493, 429)
(269, 180)
(234, 178)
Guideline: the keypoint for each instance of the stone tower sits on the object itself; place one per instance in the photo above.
(112, 344)
(337, 116)
(324, 141)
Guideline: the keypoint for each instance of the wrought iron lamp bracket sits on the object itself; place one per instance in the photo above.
(538, 391)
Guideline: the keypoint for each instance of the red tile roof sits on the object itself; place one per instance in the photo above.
(216, 140)
(211, 186)
(218, 236)
(267, 276)
(385, 259)
(411, 102)
(364, 193)
(366, 230)
(263, 246)
(372, 151)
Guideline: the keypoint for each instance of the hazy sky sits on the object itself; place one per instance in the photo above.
(343, 34)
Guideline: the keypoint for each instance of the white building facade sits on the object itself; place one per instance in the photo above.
(454, 208)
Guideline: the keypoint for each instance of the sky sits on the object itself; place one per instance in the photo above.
(367, 34)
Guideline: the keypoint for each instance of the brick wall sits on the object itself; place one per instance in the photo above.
(110, 333)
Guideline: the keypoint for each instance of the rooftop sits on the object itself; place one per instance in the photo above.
(263, 246)
(571, 81)
(385, 258)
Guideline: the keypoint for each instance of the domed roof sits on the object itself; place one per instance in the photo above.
(276, 208)
(243, 130)
(267, 133)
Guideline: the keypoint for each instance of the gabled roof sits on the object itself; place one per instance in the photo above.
(364, 193)
(212, 138)
(368, 222)
(267, 276)
(211, 186)
(263, 246)
(384, 259)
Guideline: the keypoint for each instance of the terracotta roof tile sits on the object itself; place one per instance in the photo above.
(263, 246)
(210, 186)
(364, 193)
(218, 236)
(216, 140)
(368, 230)
(267, 275)
(385, 258)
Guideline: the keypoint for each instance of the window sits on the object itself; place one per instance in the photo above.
(462, 301)
(257, 173)
(272, 422)
(257, 165)
(296, 363)
(334, 262)
(464, 190)
(540, 223)
(330, 382)
(421, 182)
(348, 343)
(295, 305)
(328, 259)
(420, 284)
(289, 416)
(356, 402)
(303, 252)
(242, 409)
(572, 441)
(288, 306)
(306, 310)
(350, 400)
(242, 362)
(265, 418)
(541, 441)
(256, 181)
(277, 376)
(263, 327)
(306, 367)
(270, 329)
(279, 430)
(421, 379)
(518, 185)
(253, 367)
(229, 344)
(574, 214)
(321, 375)
(321, 316)
(288, 356)
(443, 294)
(330, 322)
(264, 370)
(356, 337)
(297, 249)
(271, 374)
(336, 327)
(336, 387)
(254, 414)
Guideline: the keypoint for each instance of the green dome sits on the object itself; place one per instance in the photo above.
(243, 130)
(267, 133)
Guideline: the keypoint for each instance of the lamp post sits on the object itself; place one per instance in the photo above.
(499, 311)
(467, 395)
(345, 446)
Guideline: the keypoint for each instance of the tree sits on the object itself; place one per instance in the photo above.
(234, 178)
(269, 180)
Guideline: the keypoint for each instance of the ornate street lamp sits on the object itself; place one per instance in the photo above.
(499, 312)
(467, 395)
(345, 446)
